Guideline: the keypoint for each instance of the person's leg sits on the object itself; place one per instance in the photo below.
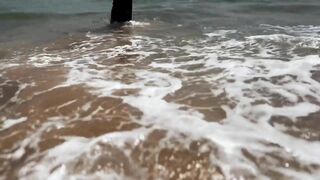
(121, 11)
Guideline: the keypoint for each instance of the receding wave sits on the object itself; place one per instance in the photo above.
(133, 105)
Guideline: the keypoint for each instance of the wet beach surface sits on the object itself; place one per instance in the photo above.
(193, 90)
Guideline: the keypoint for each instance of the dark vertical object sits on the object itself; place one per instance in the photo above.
(121, 11)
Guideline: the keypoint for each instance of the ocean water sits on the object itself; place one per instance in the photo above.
(190, 89)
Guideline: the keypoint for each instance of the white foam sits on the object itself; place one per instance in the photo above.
(139, 24)
(71, 150)
(251, 72)
(220, 33)
(43, 60)
(7, 123)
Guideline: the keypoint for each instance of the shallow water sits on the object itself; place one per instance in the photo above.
(189, 90)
